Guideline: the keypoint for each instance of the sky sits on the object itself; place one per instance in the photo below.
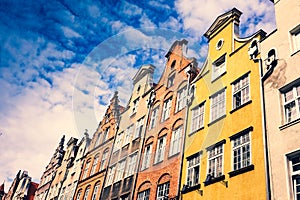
(62, 60)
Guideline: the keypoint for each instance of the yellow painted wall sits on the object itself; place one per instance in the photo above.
(248, 185)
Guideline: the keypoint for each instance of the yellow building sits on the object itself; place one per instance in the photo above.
(224, 154)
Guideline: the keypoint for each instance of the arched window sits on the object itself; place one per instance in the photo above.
(86, 169)
(78, 194)
(95, 163)
(103, 160)
(96, 189)
(86, 194)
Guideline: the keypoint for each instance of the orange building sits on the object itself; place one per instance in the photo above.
(96, 159)
(159, 170)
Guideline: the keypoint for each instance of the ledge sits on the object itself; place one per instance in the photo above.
(191, 188)
(241, 171)
(216, 120)
(199, 129)
(217, 78)
(214, 180)
(241, 106)
(291, 123)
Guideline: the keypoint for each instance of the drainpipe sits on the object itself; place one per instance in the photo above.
(150, 102)
(188, 72)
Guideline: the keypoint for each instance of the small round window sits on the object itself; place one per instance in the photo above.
(219, 44)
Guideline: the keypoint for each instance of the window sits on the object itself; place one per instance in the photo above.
(78, 195)
(219, 67)
(86, 169)
(118, 141)
(173, 64)
(93, 170)
(171, 80)
(120, 170)
(181, 99)
(131, 165)
(295, 35)
(110, 175)
(62, 193)
(163, 191)
(139, 128)
(197, 117)
(193, 170)
(105, 134)
(135, 105)
(147, 156)
(103, 160)
(241, 91)
(241, 151)
(96, 188)
(215, 161)
(291, 106)
(154, 116)
(144, 195)
(98, 140)
(160, 149)
(294, 168)
(175, 145)
(166, 109)
(86, 194)
(128, 134)
(217, 108)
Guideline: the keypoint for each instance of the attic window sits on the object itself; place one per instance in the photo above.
(173, 64)
(171, 80)
(219, 44)
(219, 67)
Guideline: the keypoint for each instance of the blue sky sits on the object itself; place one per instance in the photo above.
(60, 62)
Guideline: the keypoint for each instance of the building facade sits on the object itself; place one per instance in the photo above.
(123, 164)
(224, 150)
(159, 169)
(95, 160)
(281, 72)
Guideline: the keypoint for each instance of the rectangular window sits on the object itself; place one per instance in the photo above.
(154, 116)
(241, 91)
(103, 160)
(135, 105)
(181, 99)
(119, 139)
(217, 107)
(215, 161)
(128, 135)
(294, 169)
(171, 80)
(86, 169)
(197, 117)
(160, 149)
(291, 99)
(193, 170)
(105, 135)
(241, 149)
(295, 35)
(166, 109)
(144, 195)
(147, 156)
(175, 145)
(131, 165)
(110, 175)
(120, 170)
(219, 67)
(139, 128)
(163, 191)
(93, 170)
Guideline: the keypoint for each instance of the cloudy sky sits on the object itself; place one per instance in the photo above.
(61, 60)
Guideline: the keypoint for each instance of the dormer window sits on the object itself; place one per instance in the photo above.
(219, 67)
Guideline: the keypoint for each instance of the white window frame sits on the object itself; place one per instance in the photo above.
(160, 149)
(241, 89)
(216, 101)
(295, 99)
(96, 188)
(176, 139)
(78, 195)
(294, 171)
(86, 193)
(131, 165)
(197, 121)
(218, 67)
(105, 135)
(166, 109)
(120, 170)
(181, 98)
(144, 195)
(235, 145)
(163, 191)
(128, 135)
(86, 169)
(215, 155)
(110, 175)
(147, 156)
(154, 117)
(95, 163)
(171, 80)
(139, 128)
(118, 143)
(103, 160)
(295, 39)
(135, 105)
(191, 176)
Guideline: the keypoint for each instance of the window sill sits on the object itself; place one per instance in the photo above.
(199, 129)
(214, 180)
(291, 123)
(217, 78)
(157, 163)
(191, 188)
(241, 106)
(132, 115)
(216, 120)
(241, 171)
(295, 52)
(174, 155)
